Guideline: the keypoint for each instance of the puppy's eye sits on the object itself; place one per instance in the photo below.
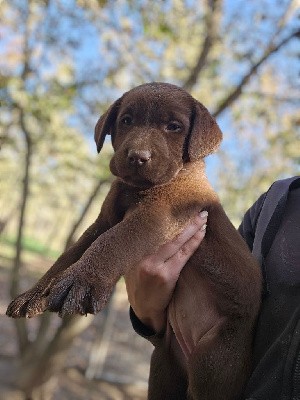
(173, 127)
(126, 120)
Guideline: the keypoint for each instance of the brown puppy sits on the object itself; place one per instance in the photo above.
(160, 135)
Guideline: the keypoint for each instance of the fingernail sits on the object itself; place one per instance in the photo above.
(203, 214)
(203, 227)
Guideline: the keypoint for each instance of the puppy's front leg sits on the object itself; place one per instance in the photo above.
(32, 302)
(86, 286)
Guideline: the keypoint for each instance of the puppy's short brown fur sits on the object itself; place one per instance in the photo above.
(160, 135)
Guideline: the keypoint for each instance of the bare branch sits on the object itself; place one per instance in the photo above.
(292, 99)
(85, 210)
(212, 18)
(282, 19)
(236, 92)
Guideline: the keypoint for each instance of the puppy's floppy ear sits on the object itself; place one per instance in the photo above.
(205, 135)
(105, 124)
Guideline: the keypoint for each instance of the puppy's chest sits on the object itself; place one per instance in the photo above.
(181, 201)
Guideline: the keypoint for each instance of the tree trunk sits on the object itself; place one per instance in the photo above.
(20, 324)
(96, 190)
(212, 21)
(14, 286)
(44, 358)
(37, 368)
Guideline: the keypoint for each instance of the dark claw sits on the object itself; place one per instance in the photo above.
(35, 306)
(57, 296)
(26, 305)
(97, 304)
(77, 301)
(16, 309)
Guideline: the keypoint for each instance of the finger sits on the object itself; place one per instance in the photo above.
(171, 248)
(180, 258)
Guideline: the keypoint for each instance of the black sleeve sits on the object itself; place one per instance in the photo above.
(138, 326)
(248, 225)
(143, 330)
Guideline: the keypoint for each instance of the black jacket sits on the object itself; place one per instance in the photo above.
(276, 373)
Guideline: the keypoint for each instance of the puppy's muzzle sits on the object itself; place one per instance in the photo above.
(138, 157)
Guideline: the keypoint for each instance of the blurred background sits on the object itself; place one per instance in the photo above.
(62, 63)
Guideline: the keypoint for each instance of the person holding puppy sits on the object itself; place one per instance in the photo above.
(271, 228)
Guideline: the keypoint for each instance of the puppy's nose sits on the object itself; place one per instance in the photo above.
(139, 157)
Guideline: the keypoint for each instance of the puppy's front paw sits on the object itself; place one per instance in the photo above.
(28, 304)
(75, 293)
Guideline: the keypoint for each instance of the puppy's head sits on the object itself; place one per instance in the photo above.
(156, 128)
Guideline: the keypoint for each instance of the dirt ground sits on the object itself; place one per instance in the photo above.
(122, 375)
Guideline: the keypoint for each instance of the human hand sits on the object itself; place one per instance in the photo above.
(150, 284)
